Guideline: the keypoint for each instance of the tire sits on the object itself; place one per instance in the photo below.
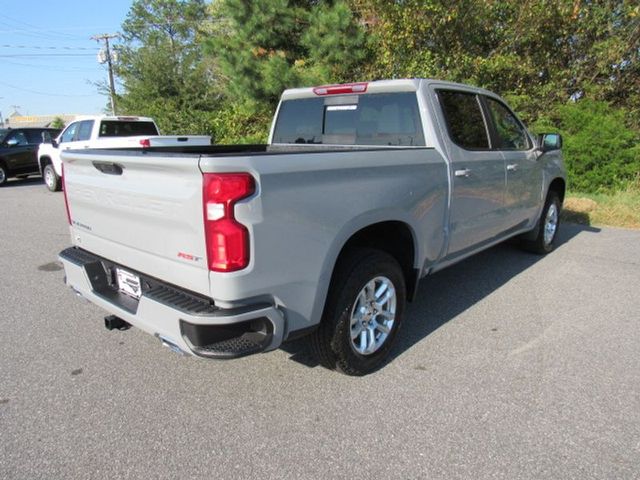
(51, 178)
(4, 174)
(348, 310)
(548, 226)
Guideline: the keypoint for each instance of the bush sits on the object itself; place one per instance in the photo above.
(601, 152)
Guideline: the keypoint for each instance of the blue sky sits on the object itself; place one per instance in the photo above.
(48, 63)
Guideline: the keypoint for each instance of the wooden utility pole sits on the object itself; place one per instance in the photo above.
(105, 37)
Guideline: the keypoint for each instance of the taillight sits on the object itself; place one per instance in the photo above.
(64, 191)
(227, 239)
(145, 143)
(343, 88)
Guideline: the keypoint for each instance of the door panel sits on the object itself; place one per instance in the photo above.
(18, 156)
(478, 172)
(524, 172)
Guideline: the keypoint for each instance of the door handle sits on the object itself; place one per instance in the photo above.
(462, 173)
(110, 168)
(512, 167)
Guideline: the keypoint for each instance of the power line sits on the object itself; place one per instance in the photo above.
(49, 67)
(43, 93)
(16, 55)
(36, 28)
(39, 47)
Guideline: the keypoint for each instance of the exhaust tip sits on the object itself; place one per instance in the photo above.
(112, 322)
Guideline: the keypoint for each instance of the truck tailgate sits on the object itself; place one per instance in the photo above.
(141, 211)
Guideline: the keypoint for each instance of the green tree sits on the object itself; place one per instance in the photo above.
(537, 54)
(57, 123)
(601, 151)
(265, 46)
(161, 67)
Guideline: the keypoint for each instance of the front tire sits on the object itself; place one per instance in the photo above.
(51, 178)
(363, 313)
(4, 174)
(548, 226)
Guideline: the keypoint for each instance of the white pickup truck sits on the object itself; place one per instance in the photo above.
(101, 131)
(224, 251)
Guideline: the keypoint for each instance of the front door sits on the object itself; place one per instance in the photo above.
(19, 152)
(523, 193)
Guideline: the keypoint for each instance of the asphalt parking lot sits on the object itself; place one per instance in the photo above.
(508, 366)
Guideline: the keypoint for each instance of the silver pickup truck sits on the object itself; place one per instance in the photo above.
(363, 189)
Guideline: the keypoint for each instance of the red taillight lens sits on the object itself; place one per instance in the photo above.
(341, 89)
(145, 143)
(66, 199)
(227, 240)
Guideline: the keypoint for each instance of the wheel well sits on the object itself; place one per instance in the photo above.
(558, 185)
(394, 238)
(44, 161)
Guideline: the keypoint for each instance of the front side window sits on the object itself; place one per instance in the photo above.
(371, 119)
(464, 119)
(18, 137)
(69, 133)
(511, 134)
(84, 130)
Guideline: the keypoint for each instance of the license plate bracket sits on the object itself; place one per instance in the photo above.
(128, 283)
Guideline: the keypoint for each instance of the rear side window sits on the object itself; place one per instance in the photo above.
(372, 119)
(511, 133)
(464, 119)
(84, 131)
(119, 128)
(35, 136)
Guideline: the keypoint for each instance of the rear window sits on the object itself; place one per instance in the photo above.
(372, 119)
(118, 128)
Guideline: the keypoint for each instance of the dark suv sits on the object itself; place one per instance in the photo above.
(19, 150)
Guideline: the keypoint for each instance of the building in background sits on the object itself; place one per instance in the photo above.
(16, 120)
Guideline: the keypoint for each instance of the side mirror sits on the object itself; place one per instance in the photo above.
(12, 142)
(549, 141)
(54, 143)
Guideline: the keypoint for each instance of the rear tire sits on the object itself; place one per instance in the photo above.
(51, 178)
(363, 313)
(548, 226)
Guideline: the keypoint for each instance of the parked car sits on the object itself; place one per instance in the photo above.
(18, 150)
(102, 131)
(364, 188)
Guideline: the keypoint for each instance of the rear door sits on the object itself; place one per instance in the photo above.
(524, 172)
(478, 171)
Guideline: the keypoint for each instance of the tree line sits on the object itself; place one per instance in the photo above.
(219, 67)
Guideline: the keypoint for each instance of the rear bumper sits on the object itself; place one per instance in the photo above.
(178, 317)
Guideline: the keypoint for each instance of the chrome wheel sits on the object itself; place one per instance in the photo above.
(550, 224)
(49, 177)
(3, 175)
(373, 315)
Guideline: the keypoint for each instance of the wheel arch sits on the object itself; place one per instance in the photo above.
(43, 161)
(558, 185)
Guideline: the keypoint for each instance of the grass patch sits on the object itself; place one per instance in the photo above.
(617, 209)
